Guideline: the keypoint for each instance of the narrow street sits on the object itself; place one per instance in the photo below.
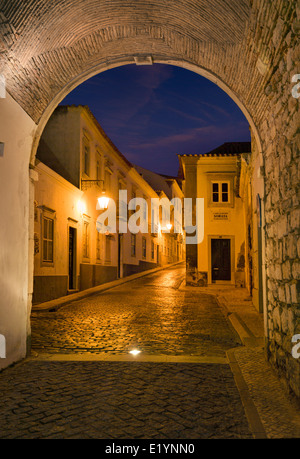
(150, 314)
(81, 381)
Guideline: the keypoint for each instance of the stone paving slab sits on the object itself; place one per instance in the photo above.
(115, 400)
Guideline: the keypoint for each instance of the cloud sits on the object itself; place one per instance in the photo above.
(187, 115)
(153, 77)
(169, 140)
(197, 104)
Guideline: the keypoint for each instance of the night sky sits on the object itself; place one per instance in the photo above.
(153, 113)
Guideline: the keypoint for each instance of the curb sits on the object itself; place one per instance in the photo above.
(245, 334)
(251, 412)
(55, 304)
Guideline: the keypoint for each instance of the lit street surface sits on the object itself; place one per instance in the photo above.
(81, 381)
(149, 314)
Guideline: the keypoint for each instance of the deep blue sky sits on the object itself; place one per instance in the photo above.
(153, 113)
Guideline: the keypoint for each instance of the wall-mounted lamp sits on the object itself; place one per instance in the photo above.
(103, 202)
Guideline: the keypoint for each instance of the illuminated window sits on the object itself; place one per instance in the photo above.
(48, 233)
(133, 245)
(107, 181)
(86, 240)
(133, 196)
(86, 157)
(145, 208)
(98, 167)
(152, 250)
(144, 247)
(98, 246)
(220, 191)
(107, 248)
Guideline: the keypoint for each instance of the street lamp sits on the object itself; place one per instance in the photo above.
(103, 201)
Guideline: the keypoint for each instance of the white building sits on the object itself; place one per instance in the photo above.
(76, 164)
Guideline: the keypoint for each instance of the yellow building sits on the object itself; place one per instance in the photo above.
(172, 243)
(220, 256)
(77, 163)
(251, 191)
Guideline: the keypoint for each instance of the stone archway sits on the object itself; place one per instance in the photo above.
(247, 47)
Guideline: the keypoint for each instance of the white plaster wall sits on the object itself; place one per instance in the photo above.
(16, 131)
(56, 193)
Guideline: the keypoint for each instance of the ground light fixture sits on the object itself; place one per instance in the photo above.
(134, 352)
(169, 226)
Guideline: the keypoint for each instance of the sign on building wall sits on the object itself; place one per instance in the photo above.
(220, 216)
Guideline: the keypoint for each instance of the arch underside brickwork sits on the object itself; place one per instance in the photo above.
(48, 45)
(248, 47)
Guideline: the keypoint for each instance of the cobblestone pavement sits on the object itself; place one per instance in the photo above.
(193, 379)
(279, 412)
(115, 400)
(149, 313)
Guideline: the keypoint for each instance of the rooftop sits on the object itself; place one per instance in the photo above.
(227, 149)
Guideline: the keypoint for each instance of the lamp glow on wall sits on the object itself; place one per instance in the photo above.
(81, 207)
(168, 227)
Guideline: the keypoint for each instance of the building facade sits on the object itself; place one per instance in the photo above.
(77, 164)
(222, 254)
(172, 243)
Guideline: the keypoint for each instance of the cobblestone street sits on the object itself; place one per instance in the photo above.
(121, 400)
(81, 381)
(149, 313)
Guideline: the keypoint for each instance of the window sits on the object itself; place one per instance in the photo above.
(133, 245)
(121, 205)
(98, 168)
(107, 181)
(98, 246)
(133, 196)
(48, 233)
(152, 250)
(86, 240)
(145, 208)
(107, 248)
(86, 157)
(144, 247)
(220, 191)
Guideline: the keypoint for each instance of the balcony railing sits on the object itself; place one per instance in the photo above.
(85, 184)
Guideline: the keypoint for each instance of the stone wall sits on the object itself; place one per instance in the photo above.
(281, 142)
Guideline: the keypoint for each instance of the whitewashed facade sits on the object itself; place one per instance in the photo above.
(76, 164)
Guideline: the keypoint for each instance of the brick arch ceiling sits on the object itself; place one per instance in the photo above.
(45, 46)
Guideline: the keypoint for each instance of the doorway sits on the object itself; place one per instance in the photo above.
(220, 260)
(72, 258)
